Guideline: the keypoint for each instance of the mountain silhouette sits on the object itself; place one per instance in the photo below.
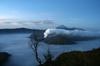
(16, 30)
(67, 28)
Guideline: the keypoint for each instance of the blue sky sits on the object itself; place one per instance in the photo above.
(29, 13)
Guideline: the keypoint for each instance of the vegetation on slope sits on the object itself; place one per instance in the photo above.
(78, 58)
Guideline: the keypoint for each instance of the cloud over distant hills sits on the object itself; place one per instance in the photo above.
(28, 24)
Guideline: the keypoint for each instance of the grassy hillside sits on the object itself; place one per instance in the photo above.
(78, 58)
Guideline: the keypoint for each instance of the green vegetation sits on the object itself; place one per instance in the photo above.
(78, 58)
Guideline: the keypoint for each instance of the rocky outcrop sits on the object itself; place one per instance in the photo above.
(59, 39)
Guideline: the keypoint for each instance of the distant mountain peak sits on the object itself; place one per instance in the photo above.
(61, 27)
(67, 28)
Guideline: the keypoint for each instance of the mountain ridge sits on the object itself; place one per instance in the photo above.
(17, 30)
(67, 28)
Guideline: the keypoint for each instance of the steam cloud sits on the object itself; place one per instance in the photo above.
(70, 33)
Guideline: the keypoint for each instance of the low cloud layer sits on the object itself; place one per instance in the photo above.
(70, 33)
(28, 24)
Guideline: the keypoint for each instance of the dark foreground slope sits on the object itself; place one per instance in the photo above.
(3, 57)
(78, 58)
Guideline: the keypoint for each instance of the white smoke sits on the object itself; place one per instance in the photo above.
(71, 33)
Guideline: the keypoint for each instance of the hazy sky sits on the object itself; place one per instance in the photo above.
(49, 13)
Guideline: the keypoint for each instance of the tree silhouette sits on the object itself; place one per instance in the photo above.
(34, 43)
